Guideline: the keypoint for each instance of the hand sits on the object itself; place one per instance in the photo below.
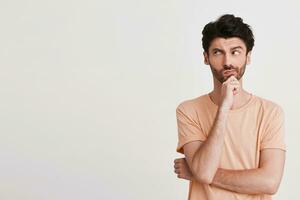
(182, 169)
(229, 88)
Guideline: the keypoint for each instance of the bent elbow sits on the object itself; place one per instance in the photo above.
(202, 175)
(272, 187)
(271, 191)
(204, 179)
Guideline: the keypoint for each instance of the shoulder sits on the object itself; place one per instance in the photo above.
(191, 105)
(269, 106)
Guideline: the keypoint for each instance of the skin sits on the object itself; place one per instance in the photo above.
(228, 54)
(227, 59)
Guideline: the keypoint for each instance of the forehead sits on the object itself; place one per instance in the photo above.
(229, 43)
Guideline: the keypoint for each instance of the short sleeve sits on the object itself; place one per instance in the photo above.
(188, 129)
(274, 134)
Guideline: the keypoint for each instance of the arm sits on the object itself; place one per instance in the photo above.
(263, 180)
(203, 157)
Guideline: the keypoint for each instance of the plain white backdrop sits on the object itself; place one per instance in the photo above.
(88, 92)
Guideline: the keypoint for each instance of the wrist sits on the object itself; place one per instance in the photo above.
(224, 108)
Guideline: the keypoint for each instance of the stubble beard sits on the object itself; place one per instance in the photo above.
(222, 78)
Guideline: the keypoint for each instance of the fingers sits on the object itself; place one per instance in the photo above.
(177, 164)
(230, 79)
(235, 90)
(179, 160)
(180, 174)
(181, 169)
(184, 177)
(232, 84)
(177, 169)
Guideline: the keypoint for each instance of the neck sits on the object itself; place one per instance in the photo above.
(241, 98)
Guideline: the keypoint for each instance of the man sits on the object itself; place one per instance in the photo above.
(233, 141)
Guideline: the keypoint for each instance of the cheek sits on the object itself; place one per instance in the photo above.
(216, 62)
(240, 62)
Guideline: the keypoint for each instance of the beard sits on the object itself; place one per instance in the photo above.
(220, 76)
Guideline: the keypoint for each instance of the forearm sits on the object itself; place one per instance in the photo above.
(250, 181)
(206, 159)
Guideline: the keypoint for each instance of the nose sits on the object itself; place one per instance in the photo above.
(227, 62)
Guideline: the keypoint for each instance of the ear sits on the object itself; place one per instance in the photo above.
(248, 58)
(206, 60)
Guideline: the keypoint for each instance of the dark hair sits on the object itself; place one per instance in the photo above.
(227, 26)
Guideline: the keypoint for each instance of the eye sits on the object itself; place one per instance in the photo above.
(236, 52)
(216, 52)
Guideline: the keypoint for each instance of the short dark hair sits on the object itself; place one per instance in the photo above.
(227, 26)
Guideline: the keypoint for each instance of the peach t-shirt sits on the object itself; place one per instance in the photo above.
(257, 125)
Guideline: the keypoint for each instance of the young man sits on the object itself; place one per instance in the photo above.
(233, 141)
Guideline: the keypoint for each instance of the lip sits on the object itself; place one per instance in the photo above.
(229, 72)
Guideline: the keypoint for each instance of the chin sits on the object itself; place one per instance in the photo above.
(226, 78)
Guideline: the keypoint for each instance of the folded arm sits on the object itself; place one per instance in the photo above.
(203, 157)
(263, 180)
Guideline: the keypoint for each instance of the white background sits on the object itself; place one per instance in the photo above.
(88, 92)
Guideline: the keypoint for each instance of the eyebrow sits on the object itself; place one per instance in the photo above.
(238, 47)
(233, 48)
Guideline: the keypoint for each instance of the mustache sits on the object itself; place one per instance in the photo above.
(230, 67)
